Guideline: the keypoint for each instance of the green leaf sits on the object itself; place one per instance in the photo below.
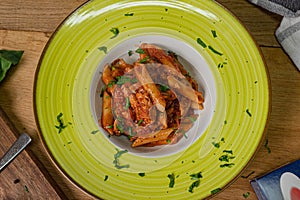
(103, 48)
(115, 31)
(7, 59)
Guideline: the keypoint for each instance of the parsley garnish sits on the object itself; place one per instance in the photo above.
(94, 132)
(226, 158)
(216, 144)
(140, 121)
(144, 59)
(248, 112)
(163, 88)
(128, 14)
(140, 51)
(115, 31)
(8, 58)
(103, 48)
(172, 180)
(61, 126)
(141, 174)
(127, 104)
(130, 52)
(214, 51)
(116, 160)
(246, 195)
(196, 177)
(199, 41)
(105, 178)
(214, 33)
(229, 165)
(125, 79)
(215, 191)
(26, 188)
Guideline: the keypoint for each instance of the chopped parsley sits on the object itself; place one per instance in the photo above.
(144, 59)
(61, 126)
(116, 161)
(228, 151)
(140, 51)
(215, 191)
(163, 88)
(115, 31)
(214, 51)
(125, 79)
(196, 177)
(94, 132)
(226, 158)
(248, 112)
(128, 14)
(172, 180)
(229, 165)
(111, 83)
(216, 144)
(130, 52)
(214, 33)
(246, 195)
(127, 103)
(26, 188)
(140, 121)
(105, 178)
(141, 174)
(103, 48)
(199, 41)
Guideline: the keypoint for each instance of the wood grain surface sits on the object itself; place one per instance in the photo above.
(27, 25)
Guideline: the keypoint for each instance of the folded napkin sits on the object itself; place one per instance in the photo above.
(288, 33)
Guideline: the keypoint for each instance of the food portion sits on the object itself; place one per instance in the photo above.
(152, 101)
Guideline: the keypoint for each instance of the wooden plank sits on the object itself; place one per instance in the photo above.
(44, 16)
(21, 179)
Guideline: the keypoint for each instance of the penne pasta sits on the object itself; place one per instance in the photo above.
(160, 135)
(146, 81)
(151, 101)
(107, 116)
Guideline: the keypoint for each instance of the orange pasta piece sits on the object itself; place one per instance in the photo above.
(160, 135)
(107, 116)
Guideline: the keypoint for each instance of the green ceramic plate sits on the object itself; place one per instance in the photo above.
(232, 74)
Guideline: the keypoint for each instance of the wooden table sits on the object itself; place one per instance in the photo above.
(27, 25)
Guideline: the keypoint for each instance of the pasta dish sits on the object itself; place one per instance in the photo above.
(151, 101)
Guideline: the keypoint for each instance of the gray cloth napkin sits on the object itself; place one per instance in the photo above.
(288, 33)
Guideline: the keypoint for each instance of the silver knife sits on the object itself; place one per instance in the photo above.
(14, 150)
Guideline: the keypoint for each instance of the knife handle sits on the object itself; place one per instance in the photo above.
(14, 150)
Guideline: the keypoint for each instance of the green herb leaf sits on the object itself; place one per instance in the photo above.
(228, 151)
(141, 174)
(140, 121)
(103, 48)
(94, 132)
(125, 79)
(229, 165)
(214, 33)
(248, 112)
(215, 191)
(127, 103)
(163, 88)
(128, 14)
(115, 31)
(172, 180)
(61, 126)
(26, 188)
(144, 59)
(199, 41)
(193, 185)
(214, 51)
(216, 144)
(140, 51)
(246, 195)
(105, 178)
(116, 160)
(7, 59)
(130, 52)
